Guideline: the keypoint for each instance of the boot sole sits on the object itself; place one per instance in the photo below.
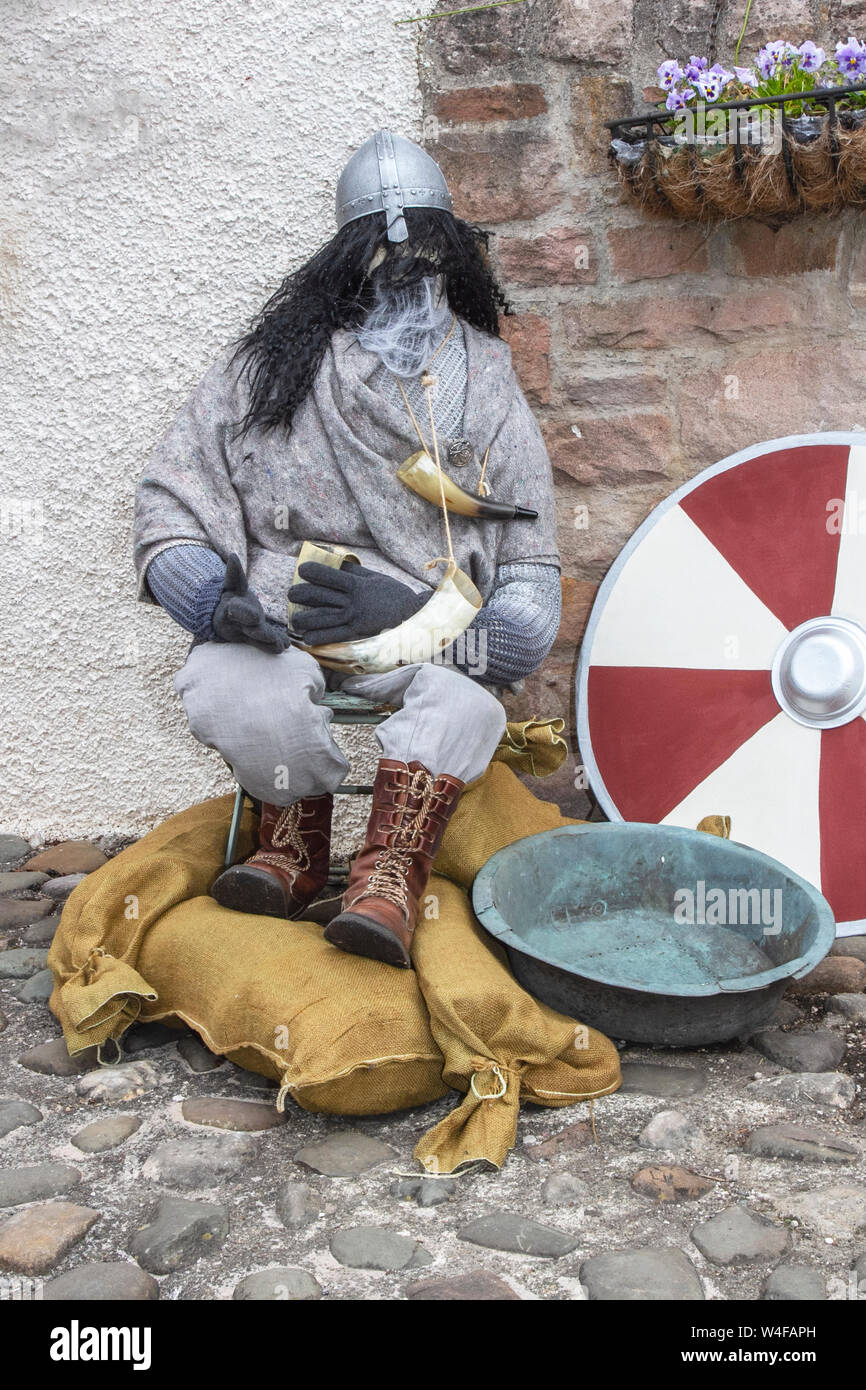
(252, 891)
(361, 936)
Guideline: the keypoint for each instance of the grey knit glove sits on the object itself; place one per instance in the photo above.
(240, 617)
(344, 604)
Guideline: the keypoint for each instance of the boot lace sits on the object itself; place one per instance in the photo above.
(389, 876)
(287, 837)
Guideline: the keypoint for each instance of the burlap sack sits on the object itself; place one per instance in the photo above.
(492, 813)
(500, 1045)
(342, 1035)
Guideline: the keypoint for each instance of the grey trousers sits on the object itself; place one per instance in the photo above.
(262, 712)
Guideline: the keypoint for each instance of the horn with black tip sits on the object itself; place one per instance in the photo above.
(419, 474)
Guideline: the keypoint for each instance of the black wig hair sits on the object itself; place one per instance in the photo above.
(282, 351)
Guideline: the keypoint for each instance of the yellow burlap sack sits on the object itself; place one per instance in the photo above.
(535, 746)
(492, 813)
(342, 1035)
(494, 1036)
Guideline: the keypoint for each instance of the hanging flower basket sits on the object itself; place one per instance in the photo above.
(784, 138)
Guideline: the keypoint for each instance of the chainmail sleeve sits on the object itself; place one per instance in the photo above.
(512, 634)
(186, 580)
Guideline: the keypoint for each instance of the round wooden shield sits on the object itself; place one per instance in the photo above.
(723, 671)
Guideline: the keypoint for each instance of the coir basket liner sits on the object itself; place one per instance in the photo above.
(817, 163)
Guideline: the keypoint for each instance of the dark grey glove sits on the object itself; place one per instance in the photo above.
(344, 604)
(239, 616)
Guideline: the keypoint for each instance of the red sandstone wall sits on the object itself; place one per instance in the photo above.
(649, 349)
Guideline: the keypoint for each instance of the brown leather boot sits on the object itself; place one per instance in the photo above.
(411, 809)
(290, 865)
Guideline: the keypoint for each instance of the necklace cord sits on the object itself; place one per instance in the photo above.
(483, 489)
(428, 382)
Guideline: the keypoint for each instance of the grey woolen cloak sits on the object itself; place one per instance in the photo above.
(333, 479)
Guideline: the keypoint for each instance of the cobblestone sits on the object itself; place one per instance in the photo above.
(190, 1186)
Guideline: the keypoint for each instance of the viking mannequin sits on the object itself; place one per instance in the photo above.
(382, 345)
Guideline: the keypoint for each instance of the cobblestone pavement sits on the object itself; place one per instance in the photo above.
(732, 1172)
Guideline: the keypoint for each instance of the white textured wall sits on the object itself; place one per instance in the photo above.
(163, 165)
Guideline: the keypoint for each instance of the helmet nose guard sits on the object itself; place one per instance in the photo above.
(387, 174)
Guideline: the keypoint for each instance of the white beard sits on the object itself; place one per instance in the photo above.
(405, 326)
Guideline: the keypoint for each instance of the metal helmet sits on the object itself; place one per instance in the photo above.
(387, 174)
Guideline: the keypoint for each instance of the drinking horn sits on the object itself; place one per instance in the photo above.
(419, 474)
(448, 612)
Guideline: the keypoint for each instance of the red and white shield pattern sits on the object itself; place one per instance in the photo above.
(677, 715)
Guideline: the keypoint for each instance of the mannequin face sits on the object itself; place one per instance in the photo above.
(398, 249)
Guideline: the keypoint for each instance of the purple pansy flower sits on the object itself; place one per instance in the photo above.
(711, 84)
(811, 57)
(785, 52)
(747, 76)
(679, 98)
(669, 74)
(766, 62)
(775, 56)
(851, 58)
(695, 67)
